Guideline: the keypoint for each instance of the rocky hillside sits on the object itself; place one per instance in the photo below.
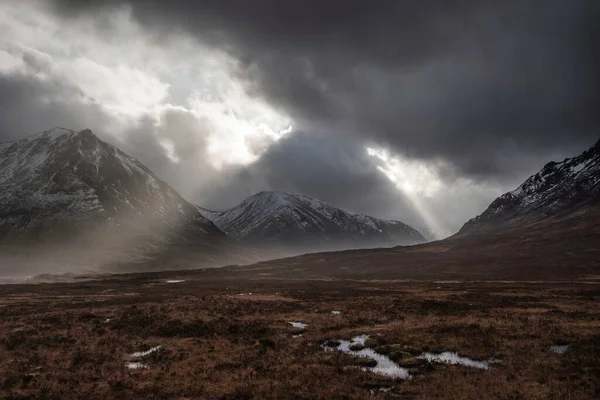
(299, 221)
(71, 197)
(65, 178)
(560, 187)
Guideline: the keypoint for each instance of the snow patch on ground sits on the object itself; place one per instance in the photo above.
(298, 325)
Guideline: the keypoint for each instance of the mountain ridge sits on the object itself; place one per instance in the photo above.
(559, 187)
(82, 177)
(279, 217)
(70, 201)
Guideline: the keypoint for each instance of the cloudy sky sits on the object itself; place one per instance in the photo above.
(418, 111)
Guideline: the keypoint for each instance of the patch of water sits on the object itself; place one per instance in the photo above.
(448, 357)
(175, 281)
(297, 336)
(385, 366)
(244, 294)
(559, 349)
(336, 312)
(300, 325)
(140, 354)
(136, 365)
(362, 339)
(382, 390)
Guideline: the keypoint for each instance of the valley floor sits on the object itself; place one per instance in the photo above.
(223, 338)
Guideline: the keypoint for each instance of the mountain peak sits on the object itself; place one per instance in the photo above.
(276, 196)
(559, 187)
(297, 220)
(74, 175)
(59, 133)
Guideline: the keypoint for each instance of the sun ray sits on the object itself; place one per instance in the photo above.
(416, 180)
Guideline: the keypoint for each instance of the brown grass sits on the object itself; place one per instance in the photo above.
(56, 343)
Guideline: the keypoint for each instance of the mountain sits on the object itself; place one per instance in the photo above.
(559, 188)
(71, 190)
(302, 223)
(73, 178)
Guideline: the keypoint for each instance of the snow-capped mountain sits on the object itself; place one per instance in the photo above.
(299, 221)
(558, 188)
(63, 180)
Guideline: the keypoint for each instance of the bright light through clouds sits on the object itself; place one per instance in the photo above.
(243, 126)
(417, 180)
(413, 177)
(134, 81)
(432, 198)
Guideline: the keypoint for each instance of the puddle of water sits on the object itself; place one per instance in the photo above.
(140, 354)
(136, 365)
(559, 349)
(107, 320)
(448, 357)
(362, 339)
(443, 282)
(244, 294)
(297, 336)
(336, 312)
(175, 281)
(382, 390)
(298, 325)
(385, 366)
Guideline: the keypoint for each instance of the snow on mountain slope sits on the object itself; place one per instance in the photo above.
(62, 178)
(557, 188)
(296, 219)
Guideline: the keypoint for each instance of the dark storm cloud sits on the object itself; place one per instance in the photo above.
(467, 81)
(29, 105)
(340, 172)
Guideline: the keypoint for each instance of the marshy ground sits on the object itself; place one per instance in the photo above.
(226, 338)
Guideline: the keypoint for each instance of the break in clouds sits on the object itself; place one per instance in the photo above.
(417, 111)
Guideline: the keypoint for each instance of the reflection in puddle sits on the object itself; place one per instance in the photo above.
(559, 349)
(175, 281)
(336, 312)
(448, 357)
(136, 365)
(385, 366)
(140, 354)
(298, 325)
